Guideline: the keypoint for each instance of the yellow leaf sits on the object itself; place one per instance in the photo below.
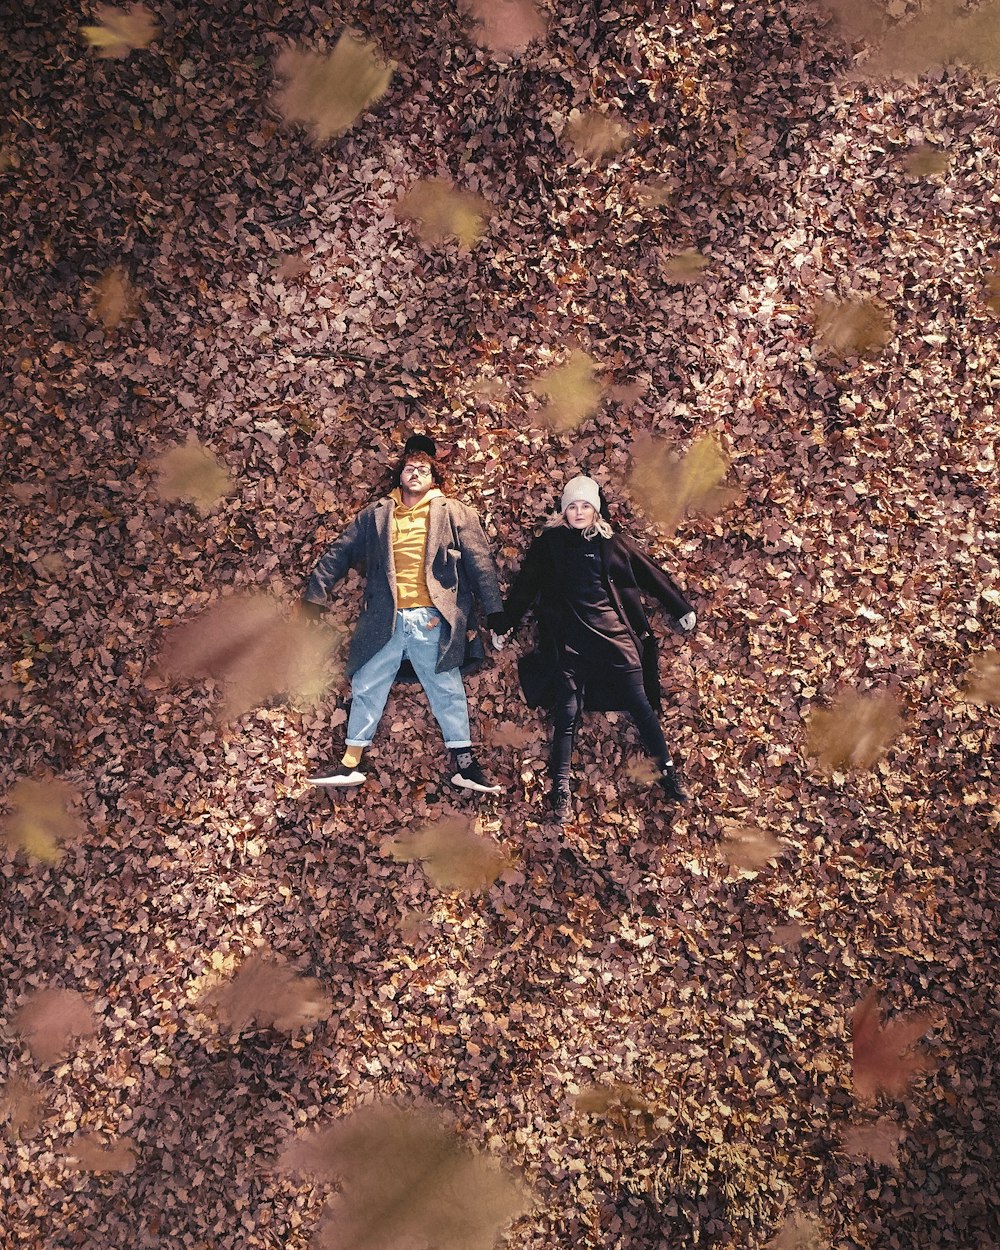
(669, 486)
(853, 327)
(440, 211)
(40, 818)
(190, 471)
(328, 93)
(571, 391)
(454, 856)
(120, 32)
(505, 25)
(594, 135)
(681, 268)
(855, 731)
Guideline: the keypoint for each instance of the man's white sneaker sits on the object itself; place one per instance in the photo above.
(336, 775)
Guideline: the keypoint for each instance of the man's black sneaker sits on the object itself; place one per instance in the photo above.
(671, 783)
(336, 775)
(468, 775)
(561, 802)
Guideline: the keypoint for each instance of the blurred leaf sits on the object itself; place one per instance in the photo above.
(680, 268)
(854, 327)
(619, 1107)
(571, 391)
(120, 32)
(507, 734)
(453, 855)
(883, 1060)
(747, 847)
(642, 770)
(788, 935)
(50, 1019)
(115, 298)
(593, 135)
(654, 194)
(21, 1103)
(40, 817)
(878, 1142)
(190, 471)
(441, 211)
(992, 294)
(248, 644)
(922, 160)
(668, 486)
(800, 1232)
(505, 25)
(328, 93)
(982, 682)
(270, 995)
(406, 1181)
(293, 267)
(941, 33)
(89, 1155)
(855, 731)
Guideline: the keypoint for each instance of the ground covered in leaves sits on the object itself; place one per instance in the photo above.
(767, 271)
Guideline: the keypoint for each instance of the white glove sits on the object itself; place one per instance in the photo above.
(499, 640)
(688, 622)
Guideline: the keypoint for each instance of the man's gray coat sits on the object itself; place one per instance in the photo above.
(458, 565)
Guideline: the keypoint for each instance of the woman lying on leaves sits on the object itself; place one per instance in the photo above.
(596, 649)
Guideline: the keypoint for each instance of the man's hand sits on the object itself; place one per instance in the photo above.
(688, 622)
(499, 629)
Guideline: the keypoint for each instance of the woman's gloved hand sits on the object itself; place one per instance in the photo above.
(688, 622)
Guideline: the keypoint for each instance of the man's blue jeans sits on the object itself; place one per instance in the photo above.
(415, 638)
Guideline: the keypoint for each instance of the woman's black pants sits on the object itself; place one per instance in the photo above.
(566, 715)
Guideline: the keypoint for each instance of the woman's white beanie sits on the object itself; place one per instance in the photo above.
(581, 490)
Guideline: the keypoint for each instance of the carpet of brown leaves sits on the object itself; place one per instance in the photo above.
(771, 241)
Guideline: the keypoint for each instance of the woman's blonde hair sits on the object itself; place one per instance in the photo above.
(597, 526)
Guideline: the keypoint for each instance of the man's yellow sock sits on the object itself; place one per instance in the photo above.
(352, 757)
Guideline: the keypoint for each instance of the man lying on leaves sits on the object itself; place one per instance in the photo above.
(425, 559)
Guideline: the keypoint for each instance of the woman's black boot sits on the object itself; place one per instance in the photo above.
(671, 783)
(561, 801)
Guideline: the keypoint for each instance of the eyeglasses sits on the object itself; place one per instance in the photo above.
(416, 468)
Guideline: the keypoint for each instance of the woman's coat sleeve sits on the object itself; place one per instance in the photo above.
(527, 585)
(651, 578)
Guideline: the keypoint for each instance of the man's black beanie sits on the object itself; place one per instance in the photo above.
(420, 443)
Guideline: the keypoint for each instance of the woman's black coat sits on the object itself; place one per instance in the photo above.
(625, 571)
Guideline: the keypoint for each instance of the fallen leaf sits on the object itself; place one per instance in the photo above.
(669, 486)
(21, 1103)
(406, 1180)
(642, 770)
(853, 327)
(680, 268)
(878, 1142)
(505, 25)
(571, 391)
(800, 1232)
(855, 731)
(88, 1154)
(923, 160)
(883, 1059)
(328, 93)
(119, 32)
(940, 33)
(620, 1107)
(441, 211)
(190, 471)
(507, 734)
(749, 848)
(115, 298)
(453, 854)
(992, 293)
(270, 995)
(256, 651)
(50, 1019)
(982, 682)
(593, 135)
(41, 817)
